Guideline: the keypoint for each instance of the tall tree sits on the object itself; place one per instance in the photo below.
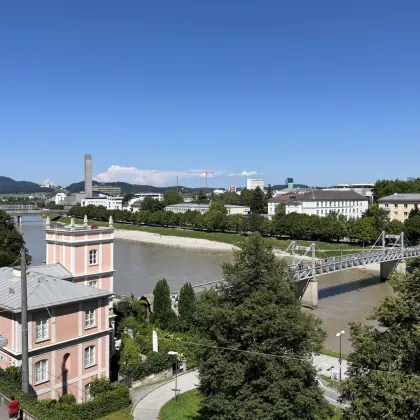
(163, 315)
(151, 204)
(11, 241)
(172, 197)
(258, 201)
(257, 344)
(412, 228)
(201, 197)
(270, 192)
(186, 306)
(384, 368)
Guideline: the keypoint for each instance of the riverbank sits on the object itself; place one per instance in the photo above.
(214, 240)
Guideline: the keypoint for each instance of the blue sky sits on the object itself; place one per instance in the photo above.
(321, 91)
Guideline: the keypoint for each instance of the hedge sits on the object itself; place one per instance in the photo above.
(109, 402)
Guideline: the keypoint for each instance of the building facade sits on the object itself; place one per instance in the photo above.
(70, 316)
(59, 198)
(107, 189)
(399, 206)
(322, 202)
(274, 202)
(110, 203)
(204, 208)
(252, 184)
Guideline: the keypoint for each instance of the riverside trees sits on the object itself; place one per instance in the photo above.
(384, 369)
(256, 344)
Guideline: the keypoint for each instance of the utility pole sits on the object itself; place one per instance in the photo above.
(177, 183)
(24, 323)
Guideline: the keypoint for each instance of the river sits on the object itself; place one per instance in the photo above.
(346, 296)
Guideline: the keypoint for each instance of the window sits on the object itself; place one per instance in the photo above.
(92, 257)
(396, 206)
(41, 371)
(405, 214)
(395, 213)
(386, 205)
(87, 392)
(89, 356)
(317, 212)
(90, 318)
(405, 206)
(41, 330)
(322, 211)
(92, 283)
(317, 203)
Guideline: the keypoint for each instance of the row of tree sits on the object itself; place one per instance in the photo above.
(387, 187)
(332, 227)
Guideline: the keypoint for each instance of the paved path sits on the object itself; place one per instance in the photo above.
(149, 400)
(148, 407)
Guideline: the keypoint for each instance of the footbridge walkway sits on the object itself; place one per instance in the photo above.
(306, 272)
(28, 210)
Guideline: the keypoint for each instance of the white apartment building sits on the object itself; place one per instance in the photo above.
(59, 198)
(322, 202)
(134, 205)
(110, 203)
(252, 184)
(204, 208)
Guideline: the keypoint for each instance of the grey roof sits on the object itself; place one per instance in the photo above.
(401, 198)
(316, 195)
(190, 206)
(233, 206)
(53, 270)
(43, 291)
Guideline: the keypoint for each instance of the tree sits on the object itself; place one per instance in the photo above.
(11, 242)
(130, 351)
(163, 315)
(151, 204)
(412, 228)
(270, 192)
(394, 227)
(127, 198)
(172, 197)
(384, 369)
(257, 314)
(186, 306)
(258, 201)
(201, 197)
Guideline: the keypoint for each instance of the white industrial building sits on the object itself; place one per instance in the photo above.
(252, 184)
(110, 203)
(134, 205)
(322, 202)
(204, 208)
(59, 198)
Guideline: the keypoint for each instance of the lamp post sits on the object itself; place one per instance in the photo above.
(339, 360)
(175, 353)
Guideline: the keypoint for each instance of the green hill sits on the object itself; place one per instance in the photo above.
(10, 186)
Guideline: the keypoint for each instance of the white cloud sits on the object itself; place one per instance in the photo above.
(244, 173)
(156, 178)
(48, 181)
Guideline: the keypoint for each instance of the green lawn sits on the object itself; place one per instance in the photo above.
(328, 352)
(324, 249)
(124, 414)
(186, 408)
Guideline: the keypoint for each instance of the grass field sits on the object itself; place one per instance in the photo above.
(334, 354)
(186, 408)
(324, 249)
(124, 414)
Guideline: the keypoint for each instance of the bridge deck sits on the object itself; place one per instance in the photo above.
(307, 270)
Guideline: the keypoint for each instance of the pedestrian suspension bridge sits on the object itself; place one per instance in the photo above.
(307, 267)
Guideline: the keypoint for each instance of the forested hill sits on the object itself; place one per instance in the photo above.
(10, 186)
(132, 188)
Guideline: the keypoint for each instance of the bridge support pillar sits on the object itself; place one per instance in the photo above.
(389, 267)
(19, 220)
(307, 292)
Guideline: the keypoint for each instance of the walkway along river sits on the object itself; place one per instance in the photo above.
(343, 297)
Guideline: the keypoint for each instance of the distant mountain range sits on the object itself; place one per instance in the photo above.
(10, 186)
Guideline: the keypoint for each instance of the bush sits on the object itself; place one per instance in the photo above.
(100, 386)
(14, 373)
(48, 402)
(67, 399)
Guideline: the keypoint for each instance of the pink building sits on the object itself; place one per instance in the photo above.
(70, 331)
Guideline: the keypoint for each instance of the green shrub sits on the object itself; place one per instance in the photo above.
(14, 373)
(99, 386)
(48, 402)
(67, 399)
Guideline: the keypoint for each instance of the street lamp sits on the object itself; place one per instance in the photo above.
(175, 353)
(339, 360)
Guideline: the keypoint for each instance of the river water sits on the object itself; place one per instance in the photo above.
(346, 296)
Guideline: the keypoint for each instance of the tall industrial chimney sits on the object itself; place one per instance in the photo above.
(88, 176)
